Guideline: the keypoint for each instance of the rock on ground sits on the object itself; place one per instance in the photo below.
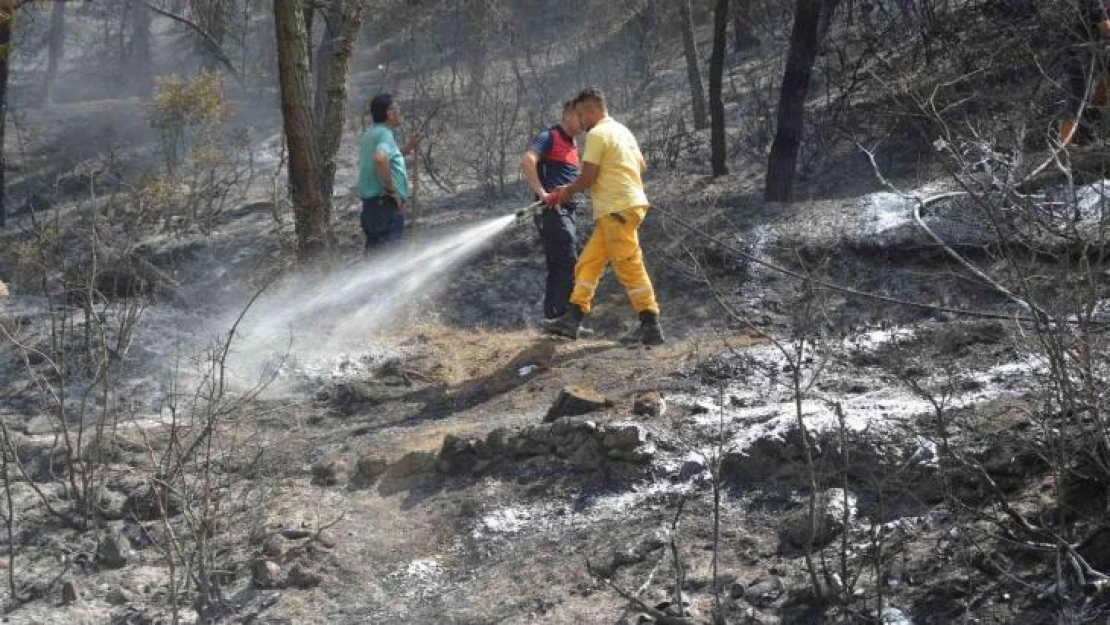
(764, 591)
(368, 469)
(411, 464)
(69, 590)
(828, 522)
(576, 400)
(302, 577)
(329, 472)
(651, 404)
(266, 574)
(112, 551)
(146, 503)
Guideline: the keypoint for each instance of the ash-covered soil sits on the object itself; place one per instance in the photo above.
(456, 466)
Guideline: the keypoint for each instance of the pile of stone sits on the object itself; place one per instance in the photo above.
(581, 443)
(286, 559)
(566, 437)
(573, 441)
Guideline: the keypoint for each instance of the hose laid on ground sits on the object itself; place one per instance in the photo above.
(865, 294)
(921, 203)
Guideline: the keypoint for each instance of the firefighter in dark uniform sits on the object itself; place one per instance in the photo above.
(550, 162)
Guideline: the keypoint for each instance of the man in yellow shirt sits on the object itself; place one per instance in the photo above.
(611, 168)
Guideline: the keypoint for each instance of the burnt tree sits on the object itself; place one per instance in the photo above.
(139, 54)
(7, 24)
(716, 75)
(343, 19)
(211, 18)
(55, 47)
(743, 36)
(690, 48)
(783, 160)
(310, 213)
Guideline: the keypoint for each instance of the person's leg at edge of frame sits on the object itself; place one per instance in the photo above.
(587, 272)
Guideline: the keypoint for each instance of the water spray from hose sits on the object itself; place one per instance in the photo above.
(317, 320)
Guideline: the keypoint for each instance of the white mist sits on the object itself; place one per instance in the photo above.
(327, 319)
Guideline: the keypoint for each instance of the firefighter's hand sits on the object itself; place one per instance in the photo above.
(554, 198)
(1104, 29)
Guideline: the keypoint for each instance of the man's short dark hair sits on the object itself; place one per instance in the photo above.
(567, 106)
(593, 95)
(379, 107)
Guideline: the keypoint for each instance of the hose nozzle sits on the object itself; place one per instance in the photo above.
(531, 210)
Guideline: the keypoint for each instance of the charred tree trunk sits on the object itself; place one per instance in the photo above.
(690, 47)
(825, 21)
(792, 98)
(310, 212)
(333, 59)
(140, 48)
(7, 24)
(55, 47)
(743, 37)
(308, 8)
(716, 78)
(212, 17)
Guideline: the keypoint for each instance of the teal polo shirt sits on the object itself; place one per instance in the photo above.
(380, 137)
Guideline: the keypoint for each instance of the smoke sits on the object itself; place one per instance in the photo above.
(337, 321)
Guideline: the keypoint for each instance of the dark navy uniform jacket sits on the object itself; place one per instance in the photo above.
(558, 157)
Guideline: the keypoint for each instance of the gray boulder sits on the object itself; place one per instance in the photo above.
(650, 404)
(797, 529)
(113, 550)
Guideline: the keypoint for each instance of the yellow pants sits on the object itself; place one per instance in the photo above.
(615, 241)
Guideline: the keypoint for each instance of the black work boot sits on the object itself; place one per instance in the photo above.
(648, 332)
(568, 325)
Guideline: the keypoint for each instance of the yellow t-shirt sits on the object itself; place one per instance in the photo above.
(611, 146)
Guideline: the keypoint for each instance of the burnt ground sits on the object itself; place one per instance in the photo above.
(412, 478)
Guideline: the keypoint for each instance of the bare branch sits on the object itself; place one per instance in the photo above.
(213, 47)
(660, 617)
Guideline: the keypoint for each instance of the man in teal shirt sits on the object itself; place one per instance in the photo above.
(383, 181)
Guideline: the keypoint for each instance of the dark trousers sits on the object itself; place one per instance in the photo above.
(559, 235)
(383, 221)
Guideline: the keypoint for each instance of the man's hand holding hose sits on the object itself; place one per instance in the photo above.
(583, 182)
(553, 199)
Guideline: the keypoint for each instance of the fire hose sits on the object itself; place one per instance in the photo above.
(536, 208)
(798, 275)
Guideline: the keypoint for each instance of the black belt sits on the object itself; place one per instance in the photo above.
(391, 198)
